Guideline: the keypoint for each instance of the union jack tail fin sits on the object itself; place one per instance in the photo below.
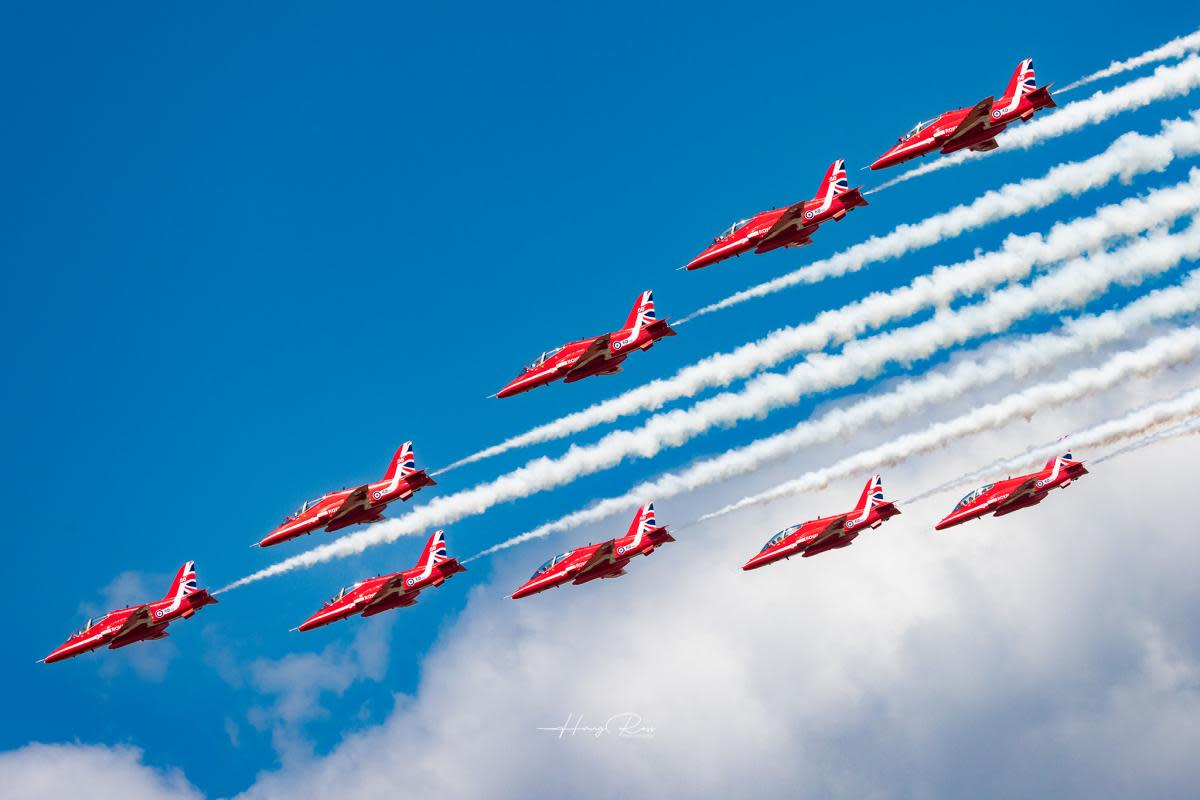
(643, 311)
(835, 180)
(435, 550)
(644, 520)
(403, 463)
(184, 583)
(872, 494)
(1023, 86)
(1066, 458)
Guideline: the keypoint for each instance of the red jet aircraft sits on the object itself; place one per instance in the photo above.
(339, 509)
(386, 592)
(828, 533)
(1013, 494)
(138, 623)
(600, 355)
(785, 227)
(604, 560)
(974, 128)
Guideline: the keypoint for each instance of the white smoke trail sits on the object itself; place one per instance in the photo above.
(1014, 362)
(1166, 82)
(1135, 423)
(1013, 261)
(1176, 48)
(1190, 426)
(1074, 283)
(1169, 350)
(1129, 155)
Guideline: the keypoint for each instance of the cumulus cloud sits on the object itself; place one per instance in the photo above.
(40, 771)
(1050, 652)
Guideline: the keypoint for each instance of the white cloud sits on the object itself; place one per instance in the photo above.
(1048, 653)
(41, 771)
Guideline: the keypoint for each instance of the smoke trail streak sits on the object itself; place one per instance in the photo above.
(1013, 261)
(1129, 155)
(1134, 423)
(1072, 284)
(1166, 82)
(1016, 361)
(1192, 425)
(1176, 348)
(1176, 48)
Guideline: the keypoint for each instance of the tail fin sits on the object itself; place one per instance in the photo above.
(403, 463)
(643, 311)
(643, 521)
(835, 182)
(872, 494)
(184, 583)
(1020, 84)
(1060, 461)
(434, 552)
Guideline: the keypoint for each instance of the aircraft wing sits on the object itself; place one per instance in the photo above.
(597, 349)
(354, 500)
(603, 553)
(835, 526)
(1027, 487)
(135, 620)
(975, 117)
(793, 213)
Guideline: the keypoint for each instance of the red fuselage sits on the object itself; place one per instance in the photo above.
(383, 593)
(111, 630)
(363, 504)
(1013, 494)
(574, 566)
(939, 134)
(751, 235)
(598, 355)
(822, 534)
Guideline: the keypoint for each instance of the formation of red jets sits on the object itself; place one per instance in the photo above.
(973, 128)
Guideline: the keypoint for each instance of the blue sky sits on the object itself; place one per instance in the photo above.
(250, 250)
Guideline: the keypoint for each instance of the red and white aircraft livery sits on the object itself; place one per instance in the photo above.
(138, 623)
(786, 227)
(1013, 494)
(339, 509)
(976, 127)
(600, 355)
(604, 560)
(828, 533)
(386, 592)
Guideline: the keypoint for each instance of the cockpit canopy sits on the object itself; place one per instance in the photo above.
(342, 593)
(306, 506)
(732, 229)
(556, 560)
(973, 496)
(920, 126)
(87, 626)
(779, 537)
(543, 357)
